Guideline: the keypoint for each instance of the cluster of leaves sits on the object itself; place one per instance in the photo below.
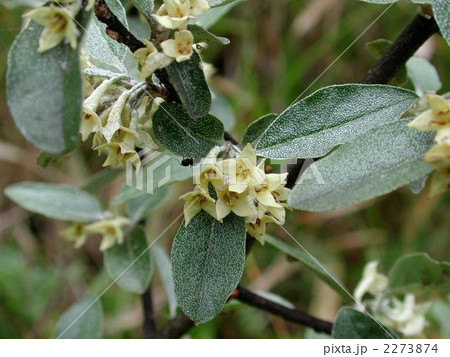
(359, 134)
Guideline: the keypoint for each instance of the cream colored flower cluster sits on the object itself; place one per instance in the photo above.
(407, 316)
(437, 118)
(118, 112)
(111, 230)
(58, 21)
(240, 186)
(173, 15)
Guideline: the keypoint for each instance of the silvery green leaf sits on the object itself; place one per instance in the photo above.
(221, 108)
(143, 205)
(441, 314)
(44, 92)
(353, 324)
(56, 201)
(257, 128)
(203, 35)
(128, 264)
(45, 159)
(213, 15)
(99, 180)
(189, 81)
(374, 164)
(17, 3)
(216, 3)
(331, 116)
(145, 7)
(102, 47)
(172, 126)
(418, 186)
(164, 269)
(84, 319)
(441, 11)
(308, 262)
(208, 260)
(99, 72)
(418, 273)
(423, 75)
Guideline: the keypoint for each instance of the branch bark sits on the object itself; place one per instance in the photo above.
(149, 327)
(175, 328)
(288, 314)
(409, 41)
(114, 28)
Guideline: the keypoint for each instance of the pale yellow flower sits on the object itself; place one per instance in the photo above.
(75, 233)
(173, 14)
(195, 202)
(239, 203)
(151, 60)
(372, 282)
(90, 119)
(58, 25)
(179, 48)
(198, 7)
(439, 157)
(257, 229)
(405, 316)
(243, 171)
(111, 230)
(443, 135)
(278, 213)
(436, 117)
(121, 148)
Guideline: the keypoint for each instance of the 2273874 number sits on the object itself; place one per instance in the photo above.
(410, 348)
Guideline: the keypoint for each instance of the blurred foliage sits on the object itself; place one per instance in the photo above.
(271, 60)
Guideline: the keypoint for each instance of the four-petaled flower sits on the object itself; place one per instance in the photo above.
(110, 229)
(151, 60)
(58, 25)
(174, 14)
(195, 202)
(404, 316)
(179, 48)
(372, 281)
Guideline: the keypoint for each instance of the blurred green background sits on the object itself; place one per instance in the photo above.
(278, 49)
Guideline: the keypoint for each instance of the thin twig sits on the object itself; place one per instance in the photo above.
(288, 314)
(176, 327)
(409, 41)
(114, 28)
(149, 327)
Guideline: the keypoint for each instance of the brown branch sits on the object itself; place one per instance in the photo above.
(409, 41)
(288, 314)
(175, 328)
(149, 327)
(114, 28)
